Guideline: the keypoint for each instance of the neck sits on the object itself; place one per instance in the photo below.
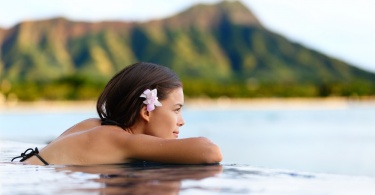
(137, 128)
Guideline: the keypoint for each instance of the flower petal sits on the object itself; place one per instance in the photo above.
(151, 99)
(154, 92)
(157, 103)
(147, 91)
(150, 107)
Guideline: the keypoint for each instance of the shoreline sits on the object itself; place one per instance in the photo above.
(199, 103)
(48, 106)
(280, 103)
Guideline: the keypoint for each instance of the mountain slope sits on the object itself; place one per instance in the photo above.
(217, 50)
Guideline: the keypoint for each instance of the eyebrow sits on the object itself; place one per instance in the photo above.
(179, 105)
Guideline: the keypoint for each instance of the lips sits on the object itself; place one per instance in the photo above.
(176, 133)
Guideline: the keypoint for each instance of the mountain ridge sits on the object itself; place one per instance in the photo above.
(208, 15)
(209, 46)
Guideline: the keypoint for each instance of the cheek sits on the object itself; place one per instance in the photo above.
(167, 121)
(162, 124)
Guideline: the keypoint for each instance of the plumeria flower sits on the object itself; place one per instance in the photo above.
(151, 99)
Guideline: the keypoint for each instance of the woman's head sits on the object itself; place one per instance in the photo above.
(120, 100)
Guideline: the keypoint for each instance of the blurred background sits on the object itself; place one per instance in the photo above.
(64, 51)
(280, 84)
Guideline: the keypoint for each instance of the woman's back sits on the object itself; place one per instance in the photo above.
(85, 143)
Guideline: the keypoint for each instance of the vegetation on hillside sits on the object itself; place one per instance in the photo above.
(217, 50)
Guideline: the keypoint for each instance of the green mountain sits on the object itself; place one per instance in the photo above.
(217, 50)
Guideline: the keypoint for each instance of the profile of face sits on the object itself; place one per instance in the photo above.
(165, 121)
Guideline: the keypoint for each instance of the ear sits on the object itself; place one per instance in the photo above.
(145, 115)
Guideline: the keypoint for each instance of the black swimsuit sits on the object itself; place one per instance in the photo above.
(26, 155)
(35, 152)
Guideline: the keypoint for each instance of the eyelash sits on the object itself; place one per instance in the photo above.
(178, 110)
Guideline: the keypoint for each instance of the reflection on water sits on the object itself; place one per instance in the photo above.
(167, 179)
(142, 178)
(101, 179)
(153, 178)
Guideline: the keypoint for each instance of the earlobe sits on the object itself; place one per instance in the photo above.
(145, 114)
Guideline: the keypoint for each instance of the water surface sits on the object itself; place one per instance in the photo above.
(152, 178)
(312, 150)
(339, 140)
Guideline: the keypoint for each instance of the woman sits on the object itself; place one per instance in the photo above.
(140, 117)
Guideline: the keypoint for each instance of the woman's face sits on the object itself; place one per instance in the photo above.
(166, 120)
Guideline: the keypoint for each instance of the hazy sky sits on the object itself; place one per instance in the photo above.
(344, 29)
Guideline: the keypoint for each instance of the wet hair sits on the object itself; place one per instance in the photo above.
(120, 101)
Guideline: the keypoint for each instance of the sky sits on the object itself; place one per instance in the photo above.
(343, 29)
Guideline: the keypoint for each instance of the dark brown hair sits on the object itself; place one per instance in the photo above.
(120, 101)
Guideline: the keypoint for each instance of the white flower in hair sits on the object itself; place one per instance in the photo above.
(151, 99)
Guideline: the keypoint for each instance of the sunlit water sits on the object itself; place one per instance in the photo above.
(266, 151)
(150, 178)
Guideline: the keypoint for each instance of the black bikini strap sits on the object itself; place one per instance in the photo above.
(26, 155)
(40, 158)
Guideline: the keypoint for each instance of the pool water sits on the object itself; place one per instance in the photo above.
(315, 138)
(151, 178)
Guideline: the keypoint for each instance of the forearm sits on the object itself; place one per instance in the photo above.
(183, 151)
(198, 150)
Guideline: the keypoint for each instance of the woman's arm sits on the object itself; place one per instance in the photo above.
(198, 150)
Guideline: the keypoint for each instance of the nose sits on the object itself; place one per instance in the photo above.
(180, 121)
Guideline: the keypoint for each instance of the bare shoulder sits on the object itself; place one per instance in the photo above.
(82, 126)
(89, 123)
